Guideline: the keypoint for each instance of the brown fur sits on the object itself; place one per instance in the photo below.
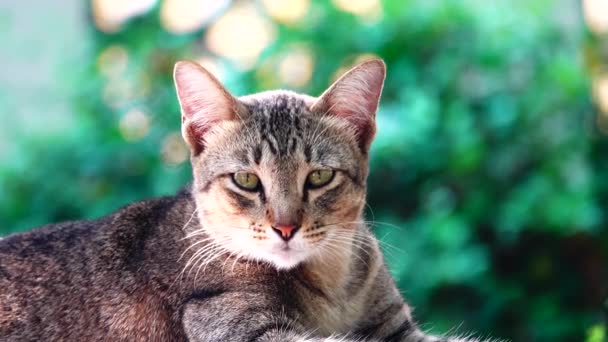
(207, 264)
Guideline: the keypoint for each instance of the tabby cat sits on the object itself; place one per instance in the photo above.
(267, 244)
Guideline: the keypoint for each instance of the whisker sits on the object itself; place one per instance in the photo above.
(338, 247)
(191, 261)
(388, 248)
(224, 251)
(209, 256)
(203, 231)
(190, 219)
(383, 243)
(201, 254)
(202, 251)
(238, 256)
(349, 241)
(206, 240)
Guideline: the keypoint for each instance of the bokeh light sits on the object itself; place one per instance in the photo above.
(296, 66)
(134, 125)
(109, 15)
(184, 16)
(367, 9)
(596, 15)
(112, 61)
(240, 35)
(600, 92)
(287, 12)
(174, 151)
(489, 166)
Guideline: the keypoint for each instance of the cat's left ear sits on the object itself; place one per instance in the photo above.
(355, 97)
(204, 103)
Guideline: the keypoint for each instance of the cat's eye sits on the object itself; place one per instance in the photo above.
(319, 178)
(246, 181)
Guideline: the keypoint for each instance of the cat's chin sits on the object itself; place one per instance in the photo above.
(285, 260)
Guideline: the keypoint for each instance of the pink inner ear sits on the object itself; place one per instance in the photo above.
(361, 121)
(203, 100)
(355, 97)
(200, 113)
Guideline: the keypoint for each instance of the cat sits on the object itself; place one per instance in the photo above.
(267, 244)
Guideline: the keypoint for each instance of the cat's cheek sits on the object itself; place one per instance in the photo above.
(220, 222)
(351, 213)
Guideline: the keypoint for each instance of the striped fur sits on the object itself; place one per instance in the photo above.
(343, 291)
(206, 264)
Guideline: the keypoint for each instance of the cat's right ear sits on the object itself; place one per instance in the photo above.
(354, 97)
(203, 102)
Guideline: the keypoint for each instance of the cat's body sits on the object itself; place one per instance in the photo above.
(97, 280)
(267, 244)
(120, 279)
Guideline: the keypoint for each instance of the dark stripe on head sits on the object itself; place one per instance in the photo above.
(321, 150)
(242, 156)
(257, 154)
(294, 145)
(271, 146)
(307, 153)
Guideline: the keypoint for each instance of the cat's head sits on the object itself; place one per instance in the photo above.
(279, 176)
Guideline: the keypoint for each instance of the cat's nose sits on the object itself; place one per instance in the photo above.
(286, 232)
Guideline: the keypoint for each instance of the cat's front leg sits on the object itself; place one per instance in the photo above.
(246, 316)
(399, 327)
(388, 318)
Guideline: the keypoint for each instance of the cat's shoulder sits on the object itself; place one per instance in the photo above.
(158, 210)
(144, 214)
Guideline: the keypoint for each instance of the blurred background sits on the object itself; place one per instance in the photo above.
(489, 180)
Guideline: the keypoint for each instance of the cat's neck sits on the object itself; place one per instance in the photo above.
(334, 271)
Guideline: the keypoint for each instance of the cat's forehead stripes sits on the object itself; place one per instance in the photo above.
(285, 128)
(279, 117)
(270, 103)
(278, 134)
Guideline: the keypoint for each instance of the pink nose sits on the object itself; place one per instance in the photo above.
(286, 232)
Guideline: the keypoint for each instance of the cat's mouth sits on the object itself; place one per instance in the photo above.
(286, 249)
(287, 256)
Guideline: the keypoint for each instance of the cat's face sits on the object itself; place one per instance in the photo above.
(278, 176)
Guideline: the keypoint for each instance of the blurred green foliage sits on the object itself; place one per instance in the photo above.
(488, 182)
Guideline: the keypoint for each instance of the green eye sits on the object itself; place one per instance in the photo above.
(246, 181)
(319, 178)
